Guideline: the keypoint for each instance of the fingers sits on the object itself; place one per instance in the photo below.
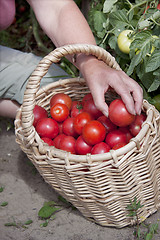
(138, 98)
(99, 100)
(130, 92)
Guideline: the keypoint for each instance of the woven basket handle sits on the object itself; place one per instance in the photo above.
(42, 68)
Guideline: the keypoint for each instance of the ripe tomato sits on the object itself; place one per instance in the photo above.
(61, 98)
(67, 143)
(136, 125)
(81, 147)
(124, 41)
(48, 141)
(87, 97)
(114, 137)
(100, 148)
(158, 7)
(80, 121)
(94, 132)
(119, 115)
(76, 108)
(39, 113)
(68, 127)
(47, 127)
(90, 107)
(57, 139)
(107, 123)
(127, 132)
(118, 145)
(59, 112)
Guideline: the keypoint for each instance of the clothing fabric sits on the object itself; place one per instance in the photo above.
(15, 69)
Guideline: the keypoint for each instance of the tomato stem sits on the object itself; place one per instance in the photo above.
(138, 5)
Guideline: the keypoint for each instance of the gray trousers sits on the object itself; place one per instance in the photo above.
(15, 69)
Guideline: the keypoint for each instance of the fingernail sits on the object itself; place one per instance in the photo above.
(105, 113)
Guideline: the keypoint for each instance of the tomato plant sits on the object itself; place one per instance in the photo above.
(59, 112)
(119, 115)
(100, 148)
(61, 98)
(47, 127)
(94, 132)
(81, 147)
(80, 121)
(115, 137)
(39, 113)
(110, 22)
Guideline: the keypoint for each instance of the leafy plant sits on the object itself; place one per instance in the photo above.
(108, 19)
(133, 208)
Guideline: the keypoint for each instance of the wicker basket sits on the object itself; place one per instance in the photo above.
(100, 186)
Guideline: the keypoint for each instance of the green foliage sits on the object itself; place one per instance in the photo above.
(152, 229)
(108, 18)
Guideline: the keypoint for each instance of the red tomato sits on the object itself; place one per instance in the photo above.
(90, 107)
(158, 7)
(61, 98)
(127, 132)
(107, 123)
(57, 139)
(60, 124)
(76, 108)
(67, 143)
(114, 137)
(82, 148)
(80, 121)
(94, 132)
(68, 127)
(86, 98)
(118, 145)
(59, 112)
(39, 113)
(48, 141)
(47, 127)
(100, 148)
(119, 115)
(136, 126)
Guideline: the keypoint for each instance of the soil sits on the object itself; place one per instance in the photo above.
(25, 191)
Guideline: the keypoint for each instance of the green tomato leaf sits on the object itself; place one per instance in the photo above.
(134, 62)
(112, 42)
(98, 20)
(155, 85)
(119, 18)
(108, 5)
(153, 62)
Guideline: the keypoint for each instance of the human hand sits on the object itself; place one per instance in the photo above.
(100, 77)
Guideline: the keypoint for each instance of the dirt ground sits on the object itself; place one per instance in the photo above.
(25, 192)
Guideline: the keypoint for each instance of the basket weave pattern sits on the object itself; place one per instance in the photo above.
(101, 185)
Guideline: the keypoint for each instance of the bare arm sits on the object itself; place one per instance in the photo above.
(64, 23)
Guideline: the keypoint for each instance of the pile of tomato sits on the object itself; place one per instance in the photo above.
(80, 128)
